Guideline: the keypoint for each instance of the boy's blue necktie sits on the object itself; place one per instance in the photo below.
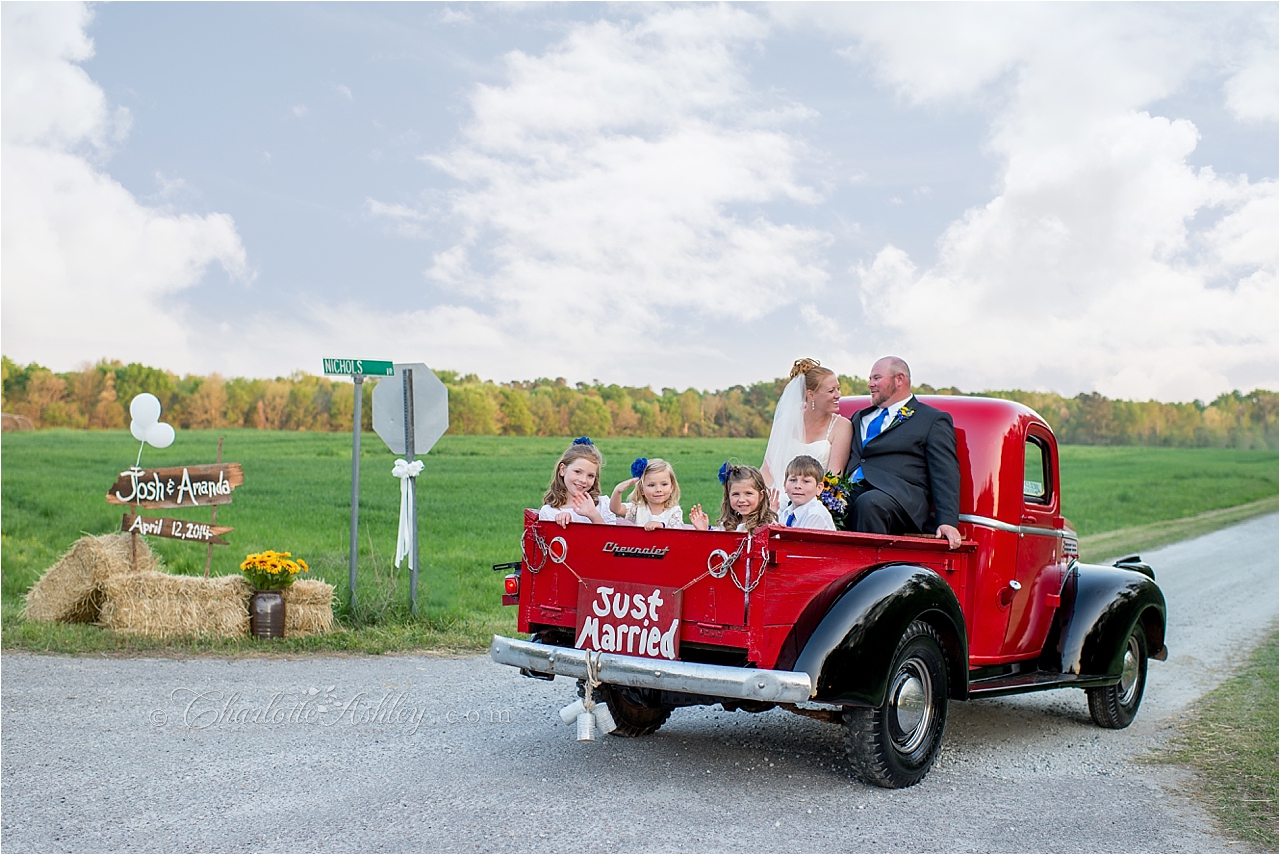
(873, 431)
(791, 518)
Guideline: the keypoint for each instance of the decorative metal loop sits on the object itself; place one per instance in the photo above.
(717, 569)
(564, 550)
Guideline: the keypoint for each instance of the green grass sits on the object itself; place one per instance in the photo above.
(1110, 488)
(296, 497)
(1230, 740)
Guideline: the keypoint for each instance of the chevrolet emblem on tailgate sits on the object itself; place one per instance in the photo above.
(636, 551)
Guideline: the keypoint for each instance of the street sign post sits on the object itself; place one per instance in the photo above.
(410, 416)
(357, 369)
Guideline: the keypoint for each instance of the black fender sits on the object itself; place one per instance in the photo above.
(848, 655)
(1100, 607)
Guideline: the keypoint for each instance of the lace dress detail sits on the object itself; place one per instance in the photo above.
(640, 514)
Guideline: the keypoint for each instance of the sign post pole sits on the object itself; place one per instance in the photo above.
(413, 492)
(213, 520)
(357, 370)
(358, 379)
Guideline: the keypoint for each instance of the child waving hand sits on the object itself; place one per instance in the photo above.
(655, 502)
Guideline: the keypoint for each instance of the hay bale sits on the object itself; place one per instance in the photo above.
(158, 604)
(71, 590)
(308, 608)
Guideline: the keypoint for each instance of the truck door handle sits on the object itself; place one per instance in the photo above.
(1028, 519)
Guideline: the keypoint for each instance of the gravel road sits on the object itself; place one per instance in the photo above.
(419, 753)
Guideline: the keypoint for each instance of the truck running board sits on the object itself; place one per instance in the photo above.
(723, 681)
(1034, 681)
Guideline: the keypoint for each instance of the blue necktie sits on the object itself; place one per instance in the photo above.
(791, 519)
(873, 431)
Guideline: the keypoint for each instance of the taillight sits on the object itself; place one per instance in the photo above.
(512, 584)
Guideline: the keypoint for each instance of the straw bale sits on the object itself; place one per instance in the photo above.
(308, 608)
(160, 604)
(71, 590)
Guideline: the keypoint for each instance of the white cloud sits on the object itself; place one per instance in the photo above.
(1253, 92)
(345, 92)
(615, 186)
(454, 16)
(1090, 269)
(87, 270)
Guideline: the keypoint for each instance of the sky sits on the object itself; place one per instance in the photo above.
(1064, 197)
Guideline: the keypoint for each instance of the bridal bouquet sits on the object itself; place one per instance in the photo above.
(835, 497)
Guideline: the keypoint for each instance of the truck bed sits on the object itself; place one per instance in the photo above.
(745, 600)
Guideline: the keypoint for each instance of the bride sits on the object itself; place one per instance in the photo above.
(808, 421)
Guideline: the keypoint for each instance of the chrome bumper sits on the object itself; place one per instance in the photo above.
(722, 681)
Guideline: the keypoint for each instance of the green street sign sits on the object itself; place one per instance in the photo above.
(367, 367)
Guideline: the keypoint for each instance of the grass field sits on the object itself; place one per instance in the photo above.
(1230, 739)
(296, 497)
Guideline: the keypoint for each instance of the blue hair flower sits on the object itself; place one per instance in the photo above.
(583, 440)
(638, 467)
(724, 472)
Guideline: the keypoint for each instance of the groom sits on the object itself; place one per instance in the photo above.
(903, 460)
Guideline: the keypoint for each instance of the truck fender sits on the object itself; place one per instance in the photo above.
(1100, 607)
(848, 655)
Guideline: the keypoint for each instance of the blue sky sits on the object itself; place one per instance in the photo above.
(1070, 197)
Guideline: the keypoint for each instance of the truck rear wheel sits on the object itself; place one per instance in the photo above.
(894, 745)
(633, 719)
(632, 715)
(1116, 706)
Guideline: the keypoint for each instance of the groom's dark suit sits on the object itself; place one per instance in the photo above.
(914, 462)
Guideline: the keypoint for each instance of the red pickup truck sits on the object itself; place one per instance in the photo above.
(874, 632)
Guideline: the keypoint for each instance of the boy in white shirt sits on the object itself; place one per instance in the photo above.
(803, 484)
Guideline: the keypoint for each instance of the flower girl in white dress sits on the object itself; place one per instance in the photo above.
(574, 492)
(655, 502)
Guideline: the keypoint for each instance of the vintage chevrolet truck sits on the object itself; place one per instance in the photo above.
(874, 632)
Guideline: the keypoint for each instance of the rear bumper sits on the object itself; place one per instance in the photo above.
(749, 684)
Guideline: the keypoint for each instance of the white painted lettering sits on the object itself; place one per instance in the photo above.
(668, 646)
(602, 608)
(591, 631)
(652, 646)
(655, 600)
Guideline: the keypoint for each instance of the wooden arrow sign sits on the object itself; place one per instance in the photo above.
(176, 529)
(177, 487)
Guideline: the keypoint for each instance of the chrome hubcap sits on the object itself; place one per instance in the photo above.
(911, 705)
(1129, 672)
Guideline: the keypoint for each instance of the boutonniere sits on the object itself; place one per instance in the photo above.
(903, 414)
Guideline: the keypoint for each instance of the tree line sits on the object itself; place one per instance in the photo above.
(97, 397)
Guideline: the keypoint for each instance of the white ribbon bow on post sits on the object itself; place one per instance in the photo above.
(404, 470)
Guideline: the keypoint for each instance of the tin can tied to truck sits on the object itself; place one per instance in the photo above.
(876, 633)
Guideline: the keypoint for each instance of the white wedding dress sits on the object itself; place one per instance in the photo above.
(786, 438)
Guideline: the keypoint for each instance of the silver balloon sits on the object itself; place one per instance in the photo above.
(145, 408)
(160, 435)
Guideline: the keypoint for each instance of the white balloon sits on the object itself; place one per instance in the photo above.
(145, 408)
(160, 435)
(139, 430)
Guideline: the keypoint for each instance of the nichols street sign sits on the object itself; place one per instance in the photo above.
(367, 367)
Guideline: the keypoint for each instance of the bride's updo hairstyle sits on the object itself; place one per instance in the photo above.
(812, 370)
